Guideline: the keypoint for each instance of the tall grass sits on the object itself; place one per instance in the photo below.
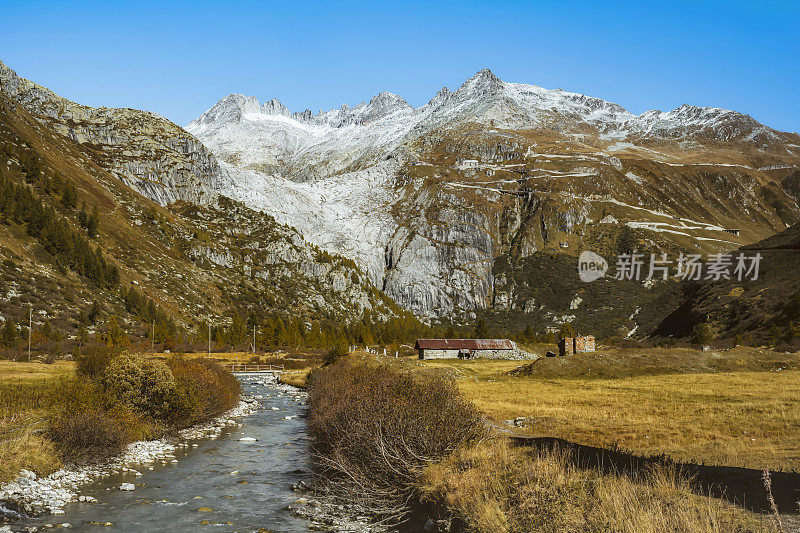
(26, 449)
(499, 489)
(16, 398)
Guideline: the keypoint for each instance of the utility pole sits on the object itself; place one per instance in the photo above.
(209, 339)
(30, 330)
(254, 339)
(153, 338)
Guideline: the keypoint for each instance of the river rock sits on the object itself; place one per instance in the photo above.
(248, 439)
(127, 486)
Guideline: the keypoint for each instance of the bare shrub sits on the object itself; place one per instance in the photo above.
(374, 429)
(87, 434)
(203, 391)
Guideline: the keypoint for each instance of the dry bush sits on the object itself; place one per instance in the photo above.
(89, 423)
(142, 383)
(494, 488)
(203, 391)
(92, 361)
(84, 434)
(374, 429)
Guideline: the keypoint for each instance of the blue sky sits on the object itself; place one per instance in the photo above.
(178, 60)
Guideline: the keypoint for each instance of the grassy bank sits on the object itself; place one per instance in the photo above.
(411, 437)
(496, 488)
(296, 378)
(737, 408)
(65, 412)
(27, 396)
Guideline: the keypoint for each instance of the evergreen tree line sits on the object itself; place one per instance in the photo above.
(71, 250)
(294, 332)
(138, 304)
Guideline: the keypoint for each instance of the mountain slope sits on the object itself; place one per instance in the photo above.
(143, 150)
(761, 311)
(194, 262)
(394, 188)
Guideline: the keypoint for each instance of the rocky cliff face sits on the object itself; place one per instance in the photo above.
(141, 149)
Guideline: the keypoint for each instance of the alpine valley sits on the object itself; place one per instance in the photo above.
(474, 205)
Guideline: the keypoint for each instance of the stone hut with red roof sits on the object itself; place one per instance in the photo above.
(469, 349)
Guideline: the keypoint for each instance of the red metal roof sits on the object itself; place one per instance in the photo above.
(464, 344)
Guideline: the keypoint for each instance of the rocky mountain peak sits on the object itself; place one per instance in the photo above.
(383, 105)
(387, 99)
(703, 122)
(483, 83)
(229, 110)
(440, 98)
(275, 107)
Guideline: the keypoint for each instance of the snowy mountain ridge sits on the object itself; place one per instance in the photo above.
(509, 105)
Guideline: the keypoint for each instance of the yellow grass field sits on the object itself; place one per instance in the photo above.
(21, 372)
(20, 444)
(742, 418)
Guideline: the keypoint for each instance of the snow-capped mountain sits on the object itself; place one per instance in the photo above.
(386, 184)
(303, 145)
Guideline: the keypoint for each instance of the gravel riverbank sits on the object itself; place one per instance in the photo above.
(31, 495)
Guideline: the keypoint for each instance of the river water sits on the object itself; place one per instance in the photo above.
(222, 484)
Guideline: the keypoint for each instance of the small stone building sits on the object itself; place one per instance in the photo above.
(573, 345)
(469, 349)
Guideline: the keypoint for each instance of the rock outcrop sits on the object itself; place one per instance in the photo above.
(143, 150)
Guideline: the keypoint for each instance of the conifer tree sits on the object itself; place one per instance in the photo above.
(566, 331)
(94, 312)
(83, 216)
(481, 330)
(93, 223)
(9, 336)
(113, 335)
